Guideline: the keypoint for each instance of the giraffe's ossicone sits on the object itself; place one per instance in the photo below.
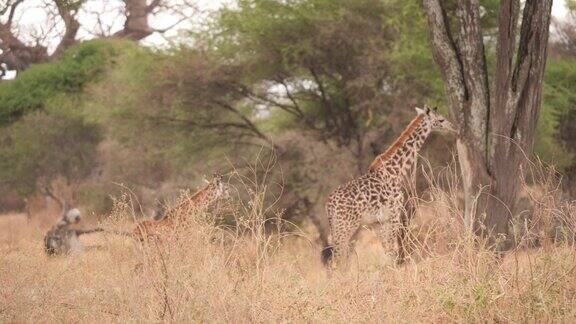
(376, 197)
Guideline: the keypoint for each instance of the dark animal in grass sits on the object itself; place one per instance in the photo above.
(62, 238)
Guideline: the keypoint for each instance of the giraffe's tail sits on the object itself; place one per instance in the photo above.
(327, 254)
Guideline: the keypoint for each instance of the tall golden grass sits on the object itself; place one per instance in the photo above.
(210, 273)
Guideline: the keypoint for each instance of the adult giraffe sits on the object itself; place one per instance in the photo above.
(377, 196)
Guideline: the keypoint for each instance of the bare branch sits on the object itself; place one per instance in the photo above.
(153, 5)
(137, 25)
(195, 123)
(329, 115)
(163, 30)
(67, 11)
(137, 12)
(246, 126)
(49, 192)
(13, 8)
(245, 91)
(246, 121)
(290, 96)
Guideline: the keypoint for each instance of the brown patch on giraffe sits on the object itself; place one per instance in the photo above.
(200, 200)
(151, 227)
(199, 195)
(399, 142)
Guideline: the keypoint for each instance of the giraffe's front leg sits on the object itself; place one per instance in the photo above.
(391, 233)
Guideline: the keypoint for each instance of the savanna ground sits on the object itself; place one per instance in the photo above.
(247, 273)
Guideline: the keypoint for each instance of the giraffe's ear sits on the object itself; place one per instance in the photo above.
(420, 111)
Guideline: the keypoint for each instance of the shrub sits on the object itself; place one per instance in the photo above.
(35, 86)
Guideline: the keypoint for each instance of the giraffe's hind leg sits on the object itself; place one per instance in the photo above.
(392, 235)
(343, 236)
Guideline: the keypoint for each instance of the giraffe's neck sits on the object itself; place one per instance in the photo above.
(201, 200)
(402, 154)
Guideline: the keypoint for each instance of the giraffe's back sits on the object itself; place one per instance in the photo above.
(368, 192)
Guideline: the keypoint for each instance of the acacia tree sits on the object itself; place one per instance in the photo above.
(497, 119)
(19, 51)
(41, 148)
(307, 62)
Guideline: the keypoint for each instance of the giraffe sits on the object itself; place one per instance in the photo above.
(376, 197)
(61, 238)
(201, 201)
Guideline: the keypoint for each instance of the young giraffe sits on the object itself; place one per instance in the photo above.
(377, 196)
(202, 200)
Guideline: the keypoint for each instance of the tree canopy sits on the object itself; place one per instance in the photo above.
(328, 84)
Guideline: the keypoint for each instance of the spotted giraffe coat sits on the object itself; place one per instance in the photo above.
(202, 200)
(376, 197)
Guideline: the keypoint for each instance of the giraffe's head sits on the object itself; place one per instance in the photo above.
(221, 188)
(436, 121)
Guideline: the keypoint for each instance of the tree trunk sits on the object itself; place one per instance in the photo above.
(17, 55)
(67, 12)
(496, 126)
(136, 26)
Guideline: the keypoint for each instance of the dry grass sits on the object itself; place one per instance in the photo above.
(212, 274)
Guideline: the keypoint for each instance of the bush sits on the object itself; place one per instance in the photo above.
(40, 147)
(35, 86)
(559, 100)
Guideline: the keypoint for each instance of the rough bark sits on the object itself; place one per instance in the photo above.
(496, 128)
(18, 55)
(67, 12)
(136, 26)
(517, 106)
(468, 99)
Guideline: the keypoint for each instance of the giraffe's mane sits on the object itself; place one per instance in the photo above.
(200, 192)
(194, 198)
(380, 159)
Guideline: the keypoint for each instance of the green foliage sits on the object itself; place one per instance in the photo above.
(330, 55)
(35, 86)
(40, 147)
(414, 67)
(559, 99)
(97, 197)
(321, 76)
(412, 62)
(161, 97)
(571, 5)
(44, 131)
(414, 72)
